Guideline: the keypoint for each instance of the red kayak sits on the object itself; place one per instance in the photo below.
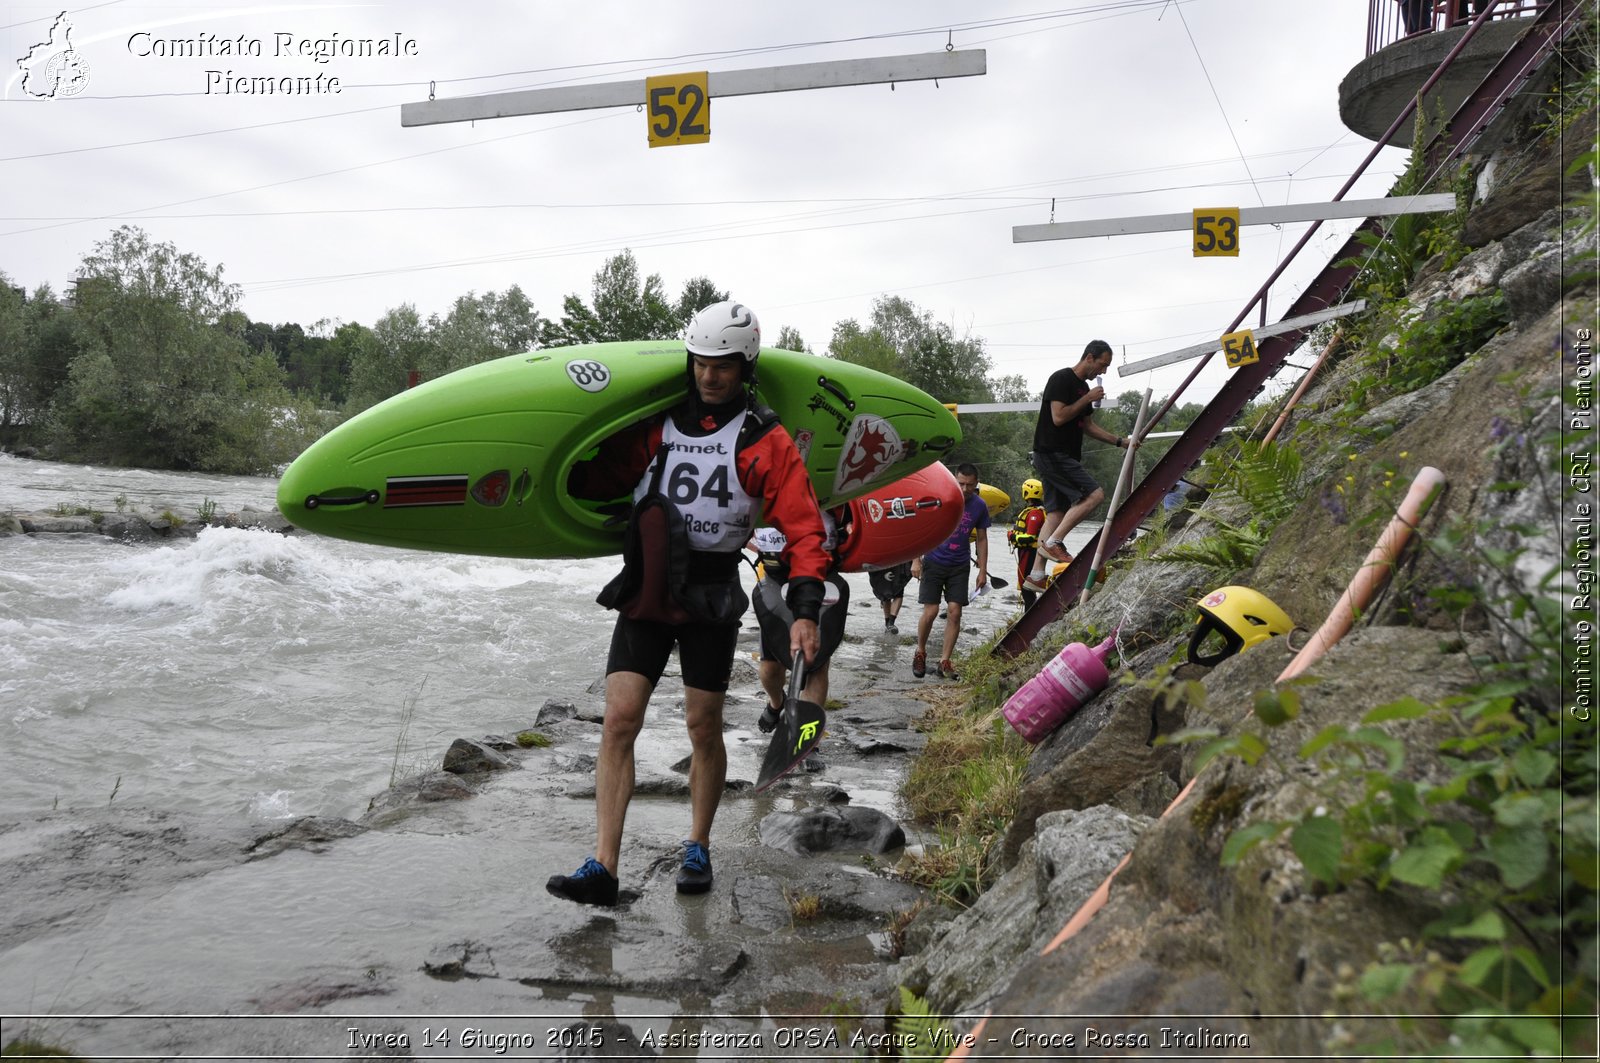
(902, 520)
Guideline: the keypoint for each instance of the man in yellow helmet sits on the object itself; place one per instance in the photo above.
(1023, 535)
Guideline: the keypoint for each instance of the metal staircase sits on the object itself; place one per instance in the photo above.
(1551, 24)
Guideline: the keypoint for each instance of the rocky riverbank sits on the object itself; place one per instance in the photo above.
(805, 920)
(134, 527)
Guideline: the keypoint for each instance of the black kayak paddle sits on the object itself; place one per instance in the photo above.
(799, 729)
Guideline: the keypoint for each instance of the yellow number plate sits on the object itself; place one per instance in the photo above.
(1216, 232)
(679, 109)
(1239, 348)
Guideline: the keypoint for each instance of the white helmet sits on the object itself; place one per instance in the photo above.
(722, 330)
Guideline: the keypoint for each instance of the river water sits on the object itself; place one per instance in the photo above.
(253, 674)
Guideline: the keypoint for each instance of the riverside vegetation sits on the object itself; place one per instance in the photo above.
(151, 361)
(1452, 818)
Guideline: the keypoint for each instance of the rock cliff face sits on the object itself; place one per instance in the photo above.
(1187, 954)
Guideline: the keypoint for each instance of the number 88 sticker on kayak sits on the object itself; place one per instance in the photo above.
(589, 375)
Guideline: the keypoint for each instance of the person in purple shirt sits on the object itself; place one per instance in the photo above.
(943, 573)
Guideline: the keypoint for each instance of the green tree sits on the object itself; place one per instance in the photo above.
(55, 336)
(16, 357)
(789, 339)
(466, 335)
(624, 308)
(385, 359)
(904, 341)
(165, 378)
(868, 347)
(699, 293)
(513, 322)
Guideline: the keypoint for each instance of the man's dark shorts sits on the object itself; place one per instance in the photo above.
(890, 583)
(705, 651)
(773, 614)
(949, 581)
(1066, 482)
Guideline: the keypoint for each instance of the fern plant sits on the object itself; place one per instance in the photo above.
(1268, 477)
(1231, 549)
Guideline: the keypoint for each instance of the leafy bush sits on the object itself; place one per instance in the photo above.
(1427, 348)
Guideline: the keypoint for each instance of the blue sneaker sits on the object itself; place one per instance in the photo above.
(695, 875)
(590, 884)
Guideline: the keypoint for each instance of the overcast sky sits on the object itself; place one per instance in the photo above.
(805, 205)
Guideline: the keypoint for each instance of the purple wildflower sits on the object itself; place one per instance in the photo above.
(1333, 502)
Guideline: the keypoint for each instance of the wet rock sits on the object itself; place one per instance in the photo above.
(312, 833)
(654, 962)
(576, 763)
(643, 786)
(418, 790)
(258, 519)
(314, 994)
(969, 960)
(466, 757)
(822, 830)
(126, 529)
(39, 524)
(66, 868)
(867, 746)
(460, 959)
(883, 712)
(554, 711)
(826, 901)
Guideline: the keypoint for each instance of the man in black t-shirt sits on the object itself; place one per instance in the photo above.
(1065, 413)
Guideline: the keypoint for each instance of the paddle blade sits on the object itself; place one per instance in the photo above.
(800, 727)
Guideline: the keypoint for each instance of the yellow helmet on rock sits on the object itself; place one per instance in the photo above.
(1242, 617)
(1032, 491)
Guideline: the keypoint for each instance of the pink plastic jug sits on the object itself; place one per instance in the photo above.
(1072, 677)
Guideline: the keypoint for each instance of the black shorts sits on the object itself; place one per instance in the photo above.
(705, 651)
(950, 581)
(890, 583)
(1066, 482)
(773, 614)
